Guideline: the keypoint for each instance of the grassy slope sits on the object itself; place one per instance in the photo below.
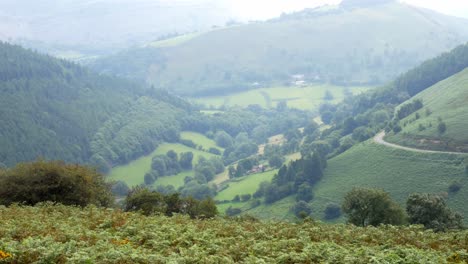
(94, 235)
(200, 140)
(305, 98)
(397, 171)
(245, 185)
(447, 100)
(133, 173)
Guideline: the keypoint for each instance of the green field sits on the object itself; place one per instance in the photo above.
(446, 100)
(397, 171)
(133, 173)
(244, 185)
(306, 98)
(200, 140)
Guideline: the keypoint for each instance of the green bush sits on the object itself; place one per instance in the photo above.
(55, 181)
(332, 211)
(431, 211)
(372, 207)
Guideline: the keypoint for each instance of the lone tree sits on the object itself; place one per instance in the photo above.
(431, 211)
(366, 207)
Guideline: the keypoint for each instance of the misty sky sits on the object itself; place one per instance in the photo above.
(263, 9)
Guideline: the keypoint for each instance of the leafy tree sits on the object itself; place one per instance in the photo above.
(223, 139)
(371, 207)
(276, 161)
(301, 209)
(304, 193)
(233, 211)
(441, 128)
(149, 179)
(120, 188)
(328, 96)
(431, 211)
(245, 197)
(146, 201)
(185, 161)
(55, 181)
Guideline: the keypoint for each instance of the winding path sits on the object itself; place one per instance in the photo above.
(379, 139)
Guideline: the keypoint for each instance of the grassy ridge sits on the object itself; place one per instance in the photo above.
(397, 171)
(92, 235)
(305, 98)
(446, 100)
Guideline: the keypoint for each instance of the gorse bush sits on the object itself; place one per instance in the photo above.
(55, 181)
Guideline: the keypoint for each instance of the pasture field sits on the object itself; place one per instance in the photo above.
(134, 172)
(306, 98)
(68, 234)
(244, 185)
(200, 140)
(398, 172)
(446, 100)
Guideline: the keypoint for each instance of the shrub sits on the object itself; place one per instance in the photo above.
(431, 211)
(301, 209)
(120, 188)
(236, 199)
(455, 187)
(441, 128)
(55, 181)
(233, 211)
(332, 211)
(214, 151)
(146, 201)
(245, 197)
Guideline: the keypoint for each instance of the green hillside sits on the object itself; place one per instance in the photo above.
(398, 172)
(94, 235)
(445, 103)
(55, 109)
(341, 45)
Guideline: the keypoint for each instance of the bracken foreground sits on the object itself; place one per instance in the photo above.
(61, 234)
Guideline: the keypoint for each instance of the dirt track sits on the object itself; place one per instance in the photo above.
(379, 139)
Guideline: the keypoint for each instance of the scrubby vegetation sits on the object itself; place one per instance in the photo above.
(79, 235)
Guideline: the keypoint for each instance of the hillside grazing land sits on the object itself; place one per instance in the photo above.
(398, 172)
(444, 102)
(305, 98)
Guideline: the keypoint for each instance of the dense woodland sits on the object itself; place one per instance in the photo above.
(59, 110)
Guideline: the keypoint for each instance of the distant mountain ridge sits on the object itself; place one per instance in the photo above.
(345, 46)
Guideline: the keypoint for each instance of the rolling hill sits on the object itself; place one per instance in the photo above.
(81, 29)
(351, 44)
(444, 102)
(55, 109)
